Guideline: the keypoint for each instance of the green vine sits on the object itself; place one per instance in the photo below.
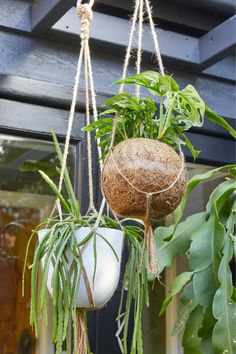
(207, 306)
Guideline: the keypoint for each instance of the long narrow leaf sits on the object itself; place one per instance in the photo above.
(67, 179)
(55, 190)
(220, 121)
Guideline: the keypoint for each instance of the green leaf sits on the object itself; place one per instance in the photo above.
(208, 323)
(157, 83)
(186, 305)
(220, 195)
(55, 190)
(224, 309)
(67, 181)
(194, 182)
(177, 243)
(207, 346)
(124, 101)
(195, 153)
(219, 121)
(190, 107)
(205, 259)
(177, 285)
(191, 341)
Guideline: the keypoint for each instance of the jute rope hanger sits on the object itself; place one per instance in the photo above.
(85, 13)
(139, 14)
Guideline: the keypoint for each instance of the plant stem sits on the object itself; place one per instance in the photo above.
(126, 136)
(161, 117)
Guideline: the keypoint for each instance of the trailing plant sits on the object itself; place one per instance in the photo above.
(207, 304)
(179, 110)
(60, 248)
(134, 296)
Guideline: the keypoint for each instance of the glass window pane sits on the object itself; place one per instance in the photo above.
(25, 201)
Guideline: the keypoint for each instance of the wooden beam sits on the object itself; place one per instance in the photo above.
(167, 13)
(221, 6)
(111, 31)
(176, 47)
(218, 43)
(20, 117)
(45, 13)
(51, 95)
(41, 92)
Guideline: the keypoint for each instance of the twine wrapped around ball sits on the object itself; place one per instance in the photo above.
(144, 179)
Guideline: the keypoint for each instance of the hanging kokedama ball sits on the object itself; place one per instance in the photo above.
(137, 166)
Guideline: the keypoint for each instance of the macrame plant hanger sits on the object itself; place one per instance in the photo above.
(85, 13)
(141, 8)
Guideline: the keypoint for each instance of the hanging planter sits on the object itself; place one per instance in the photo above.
(81, 260)
(81, 255)
(102, 266)
(139, 166)
(144, 161)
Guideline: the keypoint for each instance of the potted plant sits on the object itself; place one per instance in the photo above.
(145, 142)
(80, 265)
(207, 301)
(143, 176)
(140, 157)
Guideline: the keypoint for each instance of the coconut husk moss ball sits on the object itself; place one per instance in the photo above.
(150, 166)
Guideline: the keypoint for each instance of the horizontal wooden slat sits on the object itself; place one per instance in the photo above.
(59, 96)
(188, 51)
(168, 12)
(34, 120)
(221, 6)
(19, 117)
(215, 151)
(174, 46)
(218, 43)
(43, 93)
(44, 13)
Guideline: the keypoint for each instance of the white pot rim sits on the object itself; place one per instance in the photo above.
(87, 227)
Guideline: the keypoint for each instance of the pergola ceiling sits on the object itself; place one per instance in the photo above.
(188, 12)
(201, 52)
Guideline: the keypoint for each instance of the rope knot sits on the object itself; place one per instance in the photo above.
(85, 13)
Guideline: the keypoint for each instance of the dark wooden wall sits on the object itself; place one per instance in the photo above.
(37, 72)
(37, 75)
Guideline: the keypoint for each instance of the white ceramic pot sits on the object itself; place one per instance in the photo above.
(108, 267)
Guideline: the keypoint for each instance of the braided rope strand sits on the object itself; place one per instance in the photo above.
(140, 40)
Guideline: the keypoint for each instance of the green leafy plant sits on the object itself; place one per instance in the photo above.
(139, 117)
(134, 296)
(207, 305)
(60, 248)
(179, 110)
